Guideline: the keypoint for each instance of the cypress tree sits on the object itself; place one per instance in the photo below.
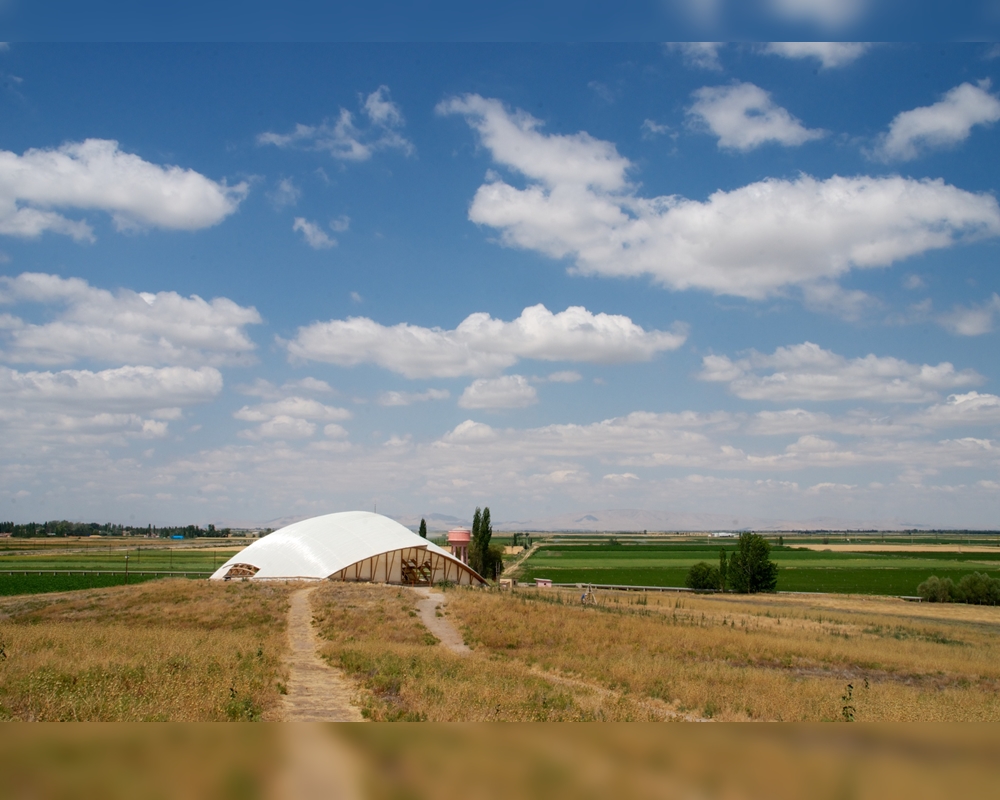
(474, 549)
(423, 528)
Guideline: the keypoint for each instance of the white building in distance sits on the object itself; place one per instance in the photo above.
(349, 546)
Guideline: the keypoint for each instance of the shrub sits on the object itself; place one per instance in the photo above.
(978, 589)
(703, 576)
(935, 590)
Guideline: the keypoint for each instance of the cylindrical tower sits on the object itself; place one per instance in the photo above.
(458, 539)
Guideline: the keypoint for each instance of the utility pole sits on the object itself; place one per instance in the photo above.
(126, 569)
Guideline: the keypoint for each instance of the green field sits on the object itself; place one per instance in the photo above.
(102, 562)
(47, 582)
(799, 570)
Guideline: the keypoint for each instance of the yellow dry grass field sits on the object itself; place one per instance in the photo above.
(539, 654)
(164, 650)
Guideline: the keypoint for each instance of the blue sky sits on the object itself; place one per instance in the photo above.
(244, 282)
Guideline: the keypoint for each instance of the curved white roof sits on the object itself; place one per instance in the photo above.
(321, 546)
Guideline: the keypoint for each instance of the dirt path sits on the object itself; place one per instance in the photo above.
(316, 691)
(428, 604)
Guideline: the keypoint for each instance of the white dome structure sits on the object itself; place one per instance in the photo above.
(349, 546)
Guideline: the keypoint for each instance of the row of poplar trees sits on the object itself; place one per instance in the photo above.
(484, 558)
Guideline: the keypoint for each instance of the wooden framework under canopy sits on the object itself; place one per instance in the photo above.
(409, 566)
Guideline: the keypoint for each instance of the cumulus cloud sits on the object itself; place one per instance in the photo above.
(507, 391)
(315, 236)
(752, 241)
(565, 376)
(971, 408)
(702, 55)
(59, 410)
(944, 124)
(291, 418)
(94, 175)
(121, 388)
(343, 139)
(808, 372)
(409, 398)
(481, 345)
(125, 326)
(972, 320)
(829, 54)
(744, 117)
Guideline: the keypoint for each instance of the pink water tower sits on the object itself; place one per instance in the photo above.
(458, 539)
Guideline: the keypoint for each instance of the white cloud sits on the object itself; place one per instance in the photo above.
(972, 320)
(971, 408)
(514, 140)
(621, 479)
(703, 55)
(315, 236)
(946, 123)
(828, 14)
(291, 418)
(343, 139)
(650, 129)
(507, 391)
(481, 345)
(285, 193)
(129, 388)
(55, 412)
(341, 224)
(95, 175)
(913, 282)
(301, 407)
(808, 372)
(409, 398)
(829, 54)
(751, 242)
(126, 326)
(744, 117)
(565, 376)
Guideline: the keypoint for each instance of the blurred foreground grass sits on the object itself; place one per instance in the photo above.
(302, 760)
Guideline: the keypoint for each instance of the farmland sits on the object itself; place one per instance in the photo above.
(895, 571)
(55, 565)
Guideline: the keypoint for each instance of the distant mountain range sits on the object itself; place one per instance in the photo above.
(630, 520)
(637, 520)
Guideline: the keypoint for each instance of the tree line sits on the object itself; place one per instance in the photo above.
(977, 589)
(64, 527)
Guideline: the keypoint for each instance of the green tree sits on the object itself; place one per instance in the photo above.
(935, 590)
(475, 552)
(978, 589)
(493, 562)
(723, 569)
(482, 558)
(703, 576)
(423, 528)
(750, 567)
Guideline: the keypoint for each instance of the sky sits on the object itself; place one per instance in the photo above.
(241, 283)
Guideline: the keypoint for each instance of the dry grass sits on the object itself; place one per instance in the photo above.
(374, 635)
(775, 657)
(164, 650)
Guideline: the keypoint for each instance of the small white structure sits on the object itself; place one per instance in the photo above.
(349, 546)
